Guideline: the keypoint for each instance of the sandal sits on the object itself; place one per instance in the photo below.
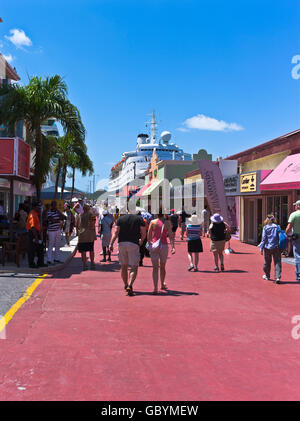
(164, 287)
(155, 292)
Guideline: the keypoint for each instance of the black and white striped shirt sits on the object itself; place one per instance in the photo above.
(54, 219)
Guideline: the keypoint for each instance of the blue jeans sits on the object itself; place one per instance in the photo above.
(296, 250)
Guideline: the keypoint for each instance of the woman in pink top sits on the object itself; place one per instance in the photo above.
(159, 229)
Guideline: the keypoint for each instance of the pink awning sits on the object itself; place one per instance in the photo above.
(285, 176)
(140, 192)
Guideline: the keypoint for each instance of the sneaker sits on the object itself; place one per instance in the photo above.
(216, 269)
(277, 281)
(266, 278)
(222, 268)
(190, 268)
(129, 290)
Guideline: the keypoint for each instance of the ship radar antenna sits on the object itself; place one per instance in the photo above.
(153, 123)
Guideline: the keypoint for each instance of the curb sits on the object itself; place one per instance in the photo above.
(50, 269)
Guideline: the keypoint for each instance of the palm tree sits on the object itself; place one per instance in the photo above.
(70, 152)
(39, 100)
(81, 162)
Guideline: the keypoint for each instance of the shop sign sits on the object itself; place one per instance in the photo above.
(231, 185)
(248, 182)
(14, 157)
(24, 189)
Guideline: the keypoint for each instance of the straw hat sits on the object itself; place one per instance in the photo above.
(194, 220)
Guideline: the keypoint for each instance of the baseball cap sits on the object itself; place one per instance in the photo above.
(297, 203)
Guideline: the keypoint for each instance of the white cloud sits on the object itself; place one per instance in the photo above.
(19, 38)
(183, 129)
(202, 122)
(8, 58)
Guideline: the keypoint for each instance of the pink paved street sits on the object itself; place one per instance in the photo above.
(223, 336)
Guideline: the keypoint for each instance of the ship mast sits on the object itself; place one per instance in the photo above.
(153, 128)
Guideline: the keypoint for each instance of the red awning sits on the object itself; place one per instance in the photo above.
(140, 192)
(285, 176)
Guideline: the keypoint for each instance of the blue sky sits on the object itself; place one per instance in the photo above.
(218, 73)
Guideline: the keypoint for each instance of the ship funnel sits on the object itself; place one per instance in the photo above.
(165, 137)
(142, 139)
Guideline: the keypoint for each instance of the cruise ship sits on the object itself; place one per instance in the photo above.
(129, 171)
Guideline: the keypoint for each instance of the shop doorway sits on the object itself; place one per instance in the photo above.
(253, 220)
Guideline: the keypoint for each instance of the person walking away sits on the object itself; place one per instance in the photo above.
(35, 247)
(174, 222)
(54, 218)
(205, 223)
(106, 223)
(131, 233)
(182, 222)
(159, 229)
(85, 224)
(69, 223)
(294, 226)
(269, 246)
(21, 218)
(143, 249)
(217, 231)
(194, 242)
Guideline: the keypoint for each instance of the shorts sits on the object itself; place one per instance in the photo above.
(84, 247)
(105, 238)
(160, 255)
(129, 254)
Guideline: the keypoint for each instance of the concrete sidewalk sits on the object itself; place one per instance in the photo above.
(66, 255)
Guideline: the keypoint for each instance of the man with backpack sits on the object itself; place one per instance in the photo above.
(294, 225)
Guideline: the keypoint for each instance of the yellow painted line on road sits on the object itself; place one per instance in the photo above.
(12, 311)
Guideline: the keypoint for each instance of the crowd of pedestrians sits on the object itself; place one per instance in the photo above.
(144, 235)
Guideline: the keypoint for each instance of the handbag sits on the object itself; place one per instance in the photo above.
(154, 247)
(227, 235)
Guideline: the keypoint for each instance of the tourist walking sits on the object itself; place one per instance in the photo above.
(131, 233)
(217, 232)
(54, 219)
(159, 229)
(182, 222)
(294, 226)
(106, 223)
(205, 219)
(85, 224)
(194, 242)
(69, 223)
(35, 247)
(269, 247)
(143, 249)
(174, 222)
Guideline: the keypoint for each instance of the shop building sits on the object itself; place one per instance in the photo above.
(269, 182)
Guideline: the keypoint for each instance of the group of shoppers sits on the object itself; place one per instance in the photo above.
(140, 235)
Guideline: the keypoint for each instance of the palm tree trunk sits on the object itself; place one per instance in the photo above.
(57, 178)
(64, 173)
(38, 155)
(73, 183)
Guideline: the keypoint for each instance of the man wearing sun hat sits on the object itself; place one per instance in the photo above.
(294, 224)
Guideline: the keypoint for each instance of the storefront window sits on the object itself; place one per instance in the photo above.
(278, 205)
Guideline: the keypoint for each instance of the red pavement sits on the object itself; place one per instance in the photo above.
(223, 336)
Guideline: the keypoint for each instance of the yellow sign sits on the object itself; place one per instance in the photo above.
(248, 182)
(60, 203)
